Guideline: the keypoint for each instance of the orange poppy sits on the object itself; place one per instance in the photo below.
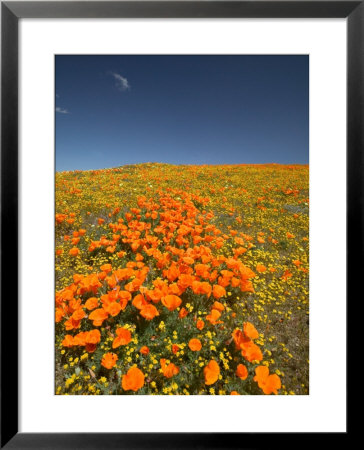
(98, 316)
(72, 324)
(200, 324)
(133, 380)
(78, 314)
(93, 337)
(211, 372)
(149, 312)
(268, 383)
(195, 345)
(242, 372)
(169, 370)
(68, 341)
(144, 350)
(109, 360)
(218, 291)
(92, 303)
(205, 288)
(106, 268)
(250, 331)
(59, 314)
(219, 306)
(80, 338)
(124, 295)
(171, 302)
(113, 308)
(251, 351)
(175, 348)
(123, 337)
(287, 274)
(139, 301)
(213, 316)
(74, 251)
(188, 260)
(183, 313)
(261, 268)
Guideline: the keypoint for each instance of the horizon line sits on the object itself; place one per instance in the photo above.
(184, 164)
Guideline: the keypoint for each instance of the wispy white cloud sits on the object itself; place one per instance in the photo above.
(62, 110)
(120, 82)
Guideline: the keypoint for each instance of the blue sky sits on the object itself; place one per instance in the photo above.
(218, 109)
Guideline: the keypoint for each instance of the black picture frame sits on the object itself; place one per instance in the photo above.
(11, 12)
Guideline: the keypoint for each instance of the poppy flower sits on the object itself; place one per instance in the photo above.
(172, 273)
(149, 312)
(175, 348)
(250, 331)
(93, 337)
(106, 268)
(211, 372)
(195, 345)
(268, 383)
(133, 380)
(171, 302)
(109, 360)
(251, 352)
(188, 260)
(242, 372)
(213, 316)
(74, 251)
(113, 309)
(59, 314)
(200, 324)
(72, 324)
(144, 350)
(182, 313)
(205, 288)
(123, 337)
(169, 370)
(98, 316)
(80, 338)
(139, 301)
(78, 314)
(219, 306)
(184, 281)
(218, 291)
(68, 341)
(260, 268)
(287, 274)
(199, 287)
(92, 303)
(124, 295)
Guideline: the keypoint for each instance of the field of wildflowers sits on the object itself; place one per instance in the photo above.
(182, 280)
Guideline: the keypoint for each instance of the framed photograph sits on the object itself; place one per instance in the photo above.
(184, 179)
